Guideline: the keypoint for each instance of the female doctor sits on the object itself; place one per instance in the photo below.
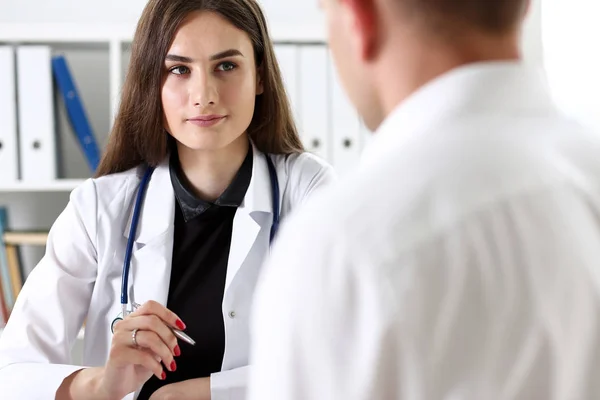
(202, 162)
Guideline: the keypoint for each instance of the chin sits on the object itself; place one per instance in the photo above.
(204, 145)
(206, 142)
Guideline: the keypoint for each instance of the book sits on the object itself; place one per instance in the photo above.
(14, 269)
(5, 280)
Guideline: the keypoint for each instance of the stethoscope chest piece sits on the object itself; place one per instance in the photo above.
(114, 321)
(119, 317)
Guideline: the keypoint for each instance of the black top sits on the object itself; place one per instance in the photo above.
(199, 267)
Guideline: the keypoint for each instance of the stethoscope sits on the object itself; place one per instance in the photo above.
(139, 200)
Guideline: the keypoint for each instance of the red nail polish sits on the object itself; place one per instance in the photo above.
(177, 351)
(173, 366)
(163, 376)
(180, 324)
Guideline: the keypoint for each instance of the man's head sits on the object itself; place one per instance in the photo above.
(386, 49)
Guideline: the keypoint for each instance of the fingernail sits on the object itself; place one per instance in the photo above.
(163, 376)
(173, 366)
(177, 351)
(180, 324)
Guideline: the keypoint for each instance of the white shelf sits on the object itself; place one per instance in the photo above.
(106, 33)
(59, 185)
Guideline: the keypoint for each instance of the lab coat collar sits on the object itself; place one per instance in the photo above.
(259, 195)
(158, 211)
(192, 206)
(254, 213)
(478, 88)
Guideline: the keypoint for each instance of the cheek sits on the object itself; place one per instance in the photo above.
(239, 94)
(173, 96)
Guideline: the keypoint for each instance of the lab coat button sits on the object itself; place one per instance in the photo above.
(231, 314)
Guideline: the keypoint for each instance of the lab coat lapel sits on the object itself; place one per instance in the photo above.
(255, 209)
(152, 251)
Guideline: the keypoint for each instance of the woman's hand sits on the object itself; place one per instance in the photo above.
(192, 389)
(131, 364)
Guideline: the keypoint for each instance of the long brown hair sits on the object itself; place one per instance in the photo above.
(138, 135)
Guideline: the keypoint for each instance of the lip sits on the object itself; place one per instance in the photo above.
(206, 120)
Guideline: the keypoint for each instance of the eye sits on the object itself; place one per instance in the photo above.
(179, 70)
(226, 66)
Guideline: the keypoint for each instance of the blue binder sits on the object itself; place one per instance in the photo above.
(76, 112)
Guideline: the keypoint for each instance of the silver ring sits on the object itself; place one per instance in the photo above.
(133, 334)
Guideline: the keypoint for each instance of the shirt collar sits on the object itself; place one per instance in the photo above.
(192, 206)
(478, 88)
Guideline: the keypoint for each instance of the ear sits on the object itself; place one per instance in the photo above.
(259, 79)
(363, 16)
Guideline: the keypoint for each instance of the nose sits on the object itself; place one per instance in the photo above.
(204, 90)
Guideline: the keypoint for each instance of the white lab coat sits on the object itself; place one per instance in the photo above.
(80, 275)
(460, 262)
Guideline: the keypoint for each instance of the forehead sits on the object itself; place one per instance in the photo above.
(204, 33)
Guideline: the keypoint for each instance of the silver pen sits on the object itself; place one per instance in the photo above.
(181, 335)
(177, 332)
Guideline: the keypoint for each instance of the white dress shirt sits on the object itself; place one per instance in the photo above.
(461, 261)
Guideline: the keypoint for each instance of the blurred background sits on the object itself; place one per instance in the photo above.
(62, 64)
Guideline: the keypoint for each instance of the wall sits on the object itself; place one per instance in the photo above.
(570, 38)
(80, 11)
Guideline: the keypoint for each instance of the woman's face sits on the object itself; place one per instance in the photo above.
(210, 83)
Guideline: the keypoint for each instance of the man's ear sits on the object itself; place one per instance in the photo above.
(363, 20)
(259, 80)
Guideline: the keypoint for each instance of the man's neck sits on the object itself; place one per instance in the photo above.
(426, 62)
(209, 173)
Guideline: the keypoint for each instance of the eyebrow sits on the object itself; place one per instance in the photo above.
(176, 58)
(218, 56)
(226, 53)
